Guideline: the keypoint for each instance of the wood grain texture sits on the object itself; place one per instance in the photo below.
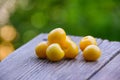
(24, 65)
(111, 71)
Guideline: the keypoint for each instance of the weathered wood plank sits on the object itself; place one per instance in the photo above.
(111, 71)
(23, 64)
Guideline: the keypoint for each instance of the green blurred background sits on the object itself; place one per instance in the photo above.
(99, 18)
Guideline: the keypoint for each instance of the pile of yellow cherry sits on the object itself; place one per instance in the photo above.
(60, 46)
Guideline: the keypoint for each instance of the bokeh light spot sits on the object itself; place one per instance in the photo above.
(5, 49)
(8, 33)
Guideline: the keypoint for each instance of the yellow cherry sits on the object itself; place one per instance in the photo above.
(91, 53)
(57, 35)
(70, 49)
(41, 49)
(85, 41)
(54, 52)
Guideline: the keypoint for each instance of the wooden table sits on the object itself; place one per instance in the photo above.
(24, 65)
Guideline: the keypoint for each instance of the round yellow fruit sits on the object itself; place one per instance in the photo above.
(54, 52)
(91, 53)
(70, 49)
(41, 49)
(57, 35)
(85, 41)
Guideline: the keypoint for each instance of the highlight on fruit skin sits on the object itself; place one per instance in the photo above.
(86, 41)
(91, 53)
(41, 49)
(70, 49)
(54, 52)
(57, 35)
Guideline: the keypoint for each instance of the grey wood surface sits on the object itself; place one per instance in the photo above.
(111, 71)
(24, 65)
